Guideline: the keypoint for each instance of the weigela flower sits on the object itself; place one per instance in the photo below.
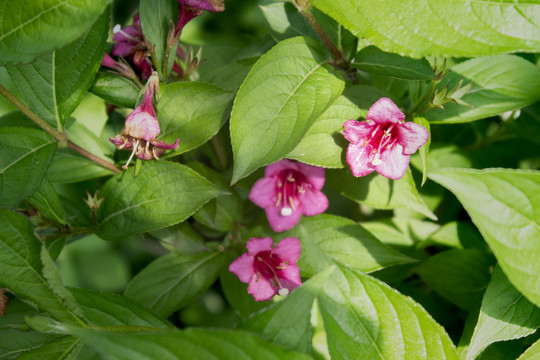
(384, 143)
(141, 129)
(268, 270)
(288, 190)
(188, 9)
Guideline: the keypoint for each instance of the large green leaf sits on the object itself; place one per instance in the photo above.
(327, 239)
(173, 280)
(323, 145)
(419, 28)
(69, 166)
(21, 270)
(47, 202)
(162, 194)
(115, 89)
(379, 192)
(184, 345)
(65, 347)
(532, 353)
(461, 276)
(366, 319)
(500, 83)
(192, 112)
(505, 206)
(55, 83)
(26, 155)
(284, 93)
(29, 28)
(505, 314)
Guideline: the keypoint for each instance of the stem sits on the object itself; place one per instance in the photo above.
(60, 137)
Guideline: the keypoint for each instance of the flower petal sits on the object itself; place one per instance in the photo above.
(142, 125)
(394, 163)
(288, 250)
(263, 192)
(255, 245)
(314, 202)
(358, 160)
(384, 111)
(356, 131)
(411, 136)
(122, 48)
(290, 277)
(121, 142)
(261, 288)
(277, 167)
(279, 222)
(163, 145)
(313, 174)
(243, 267)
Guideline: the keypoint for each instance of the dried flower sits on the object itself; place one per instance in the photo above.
(288, 190)
(268, 270)
(384, 142)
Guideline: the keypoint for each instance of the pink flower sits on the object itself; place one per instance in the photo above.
(288, 190)
(384, 142)
(269, 271)
(141, 129)
(188, 9)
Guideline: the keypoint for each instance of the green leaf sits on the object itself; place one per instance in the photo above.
(47, 202)
(323, 145)
(438, 27)
(229, 76)
(173, 280)
(266, 115)
(366, 319)
(31, 28)
(287, 322)
(187, 344)
(504, 206)
(424, 149)
(455, 234)
(21, 267)
(532, 353)
(328, 239)
(181, 238)
(163, 194)
(26, 154)
(115, 89)
(69, 167)
(237, 295)
(500, 83)
(221, 213)
(460, 276)
(505, 314)
(65, 347)
(55, 83)
(192, 112)
(373, 60)
(156, 17)
(379, 192)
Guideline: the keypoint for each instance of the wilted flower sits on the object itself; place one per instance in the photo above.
(288, 190)
(141, 129)
(384, 142)
(269, 271)
(188, 9)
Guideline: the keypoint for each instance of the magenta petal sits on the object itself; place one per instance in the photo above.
(263, 192)
(255, 245)
(243, 267)
(314, 202)
(411, 136)
(261, 289)
(290, 277)
(358, 160)
(163, 145)
(394, 163)
(119, 140)
(384, 111)
(142, 125)
(108, 61)
(314, 174)
(288, 250)
(277, 167)
(356, 131)
(279, 222)
(122, 48)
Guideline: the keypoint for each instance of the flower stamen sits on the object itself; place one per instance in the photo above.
(135, 147)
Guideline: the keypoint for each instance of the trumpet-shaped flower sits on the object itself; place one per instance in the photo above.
(384, 143)
(288, 190)
(268, 270)
(188, 9)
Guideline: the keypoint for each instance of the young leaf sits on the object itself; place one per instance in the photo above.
(532, 353)
(284, 93)
(379, 192)
(373, 60)
(439, 27)
(26, 154)
(47, 202)
(503, 204)
(328, 239)
(323, 145)
(192, 112)
(500, 83)
(115, 89)
(424, 150)
(505, 314)
(173, 280)
(30, 28)
(55, 83)
(366, 319)
(163, 194)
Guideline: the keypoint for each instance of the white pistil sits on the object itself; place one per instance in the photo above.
(118, 29)
(285, 211)
(376, 161)
(132, 153)
(283, 292)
